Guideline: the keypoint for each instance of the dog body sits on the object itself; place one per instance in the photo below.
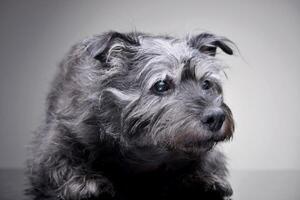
(134, 116)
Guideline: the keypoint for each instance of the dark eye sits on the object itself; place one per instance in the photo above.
(160, 87)
(206, 85)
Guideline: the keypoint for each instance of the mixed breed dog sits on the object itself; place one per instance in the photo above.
(135, 116)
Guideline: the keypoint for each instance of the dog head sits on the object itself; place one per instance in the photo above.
(165, 91)
(162, 91)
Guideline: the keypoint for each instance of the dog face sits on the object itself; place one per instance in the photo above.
(164, 92)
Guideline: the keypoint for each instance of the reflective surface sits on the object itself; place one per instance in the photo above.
(263, 185)
(247, 185)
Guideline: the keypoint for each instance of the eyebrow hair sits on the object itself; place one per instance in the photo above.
(188, 71)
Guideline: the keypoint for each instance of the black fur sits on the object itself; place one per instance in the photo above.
(107, 136)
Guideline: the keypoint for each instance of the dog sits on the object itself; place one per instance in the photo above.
(135, 116)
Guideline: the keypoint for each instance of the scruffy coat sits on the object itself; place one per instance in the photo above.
(109, 133)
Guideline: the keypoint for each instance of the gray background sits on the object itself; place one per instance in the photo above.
(263, 87)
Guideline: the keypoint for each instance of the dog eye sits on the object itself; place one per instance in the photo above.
(206, 85)
(160, 87)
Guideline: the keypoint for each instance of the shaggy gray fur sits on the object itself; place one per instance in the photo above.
(110, 133)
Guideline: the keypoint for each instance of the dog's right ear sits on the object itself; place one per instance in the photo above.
(208, 43)
(112, 44)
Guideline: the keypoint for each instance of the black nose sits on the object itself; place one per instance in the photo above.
(214, 120)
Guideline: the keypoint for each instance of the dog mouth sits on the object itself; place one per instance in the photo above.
(202, 140)
(200, 145)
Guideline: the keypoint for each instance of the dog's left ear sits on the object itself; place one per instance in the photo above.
(112, 44)
(208, 43)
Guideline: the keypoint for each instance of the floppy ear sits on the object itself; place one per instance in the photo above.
(112, 44)
(208, 43)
